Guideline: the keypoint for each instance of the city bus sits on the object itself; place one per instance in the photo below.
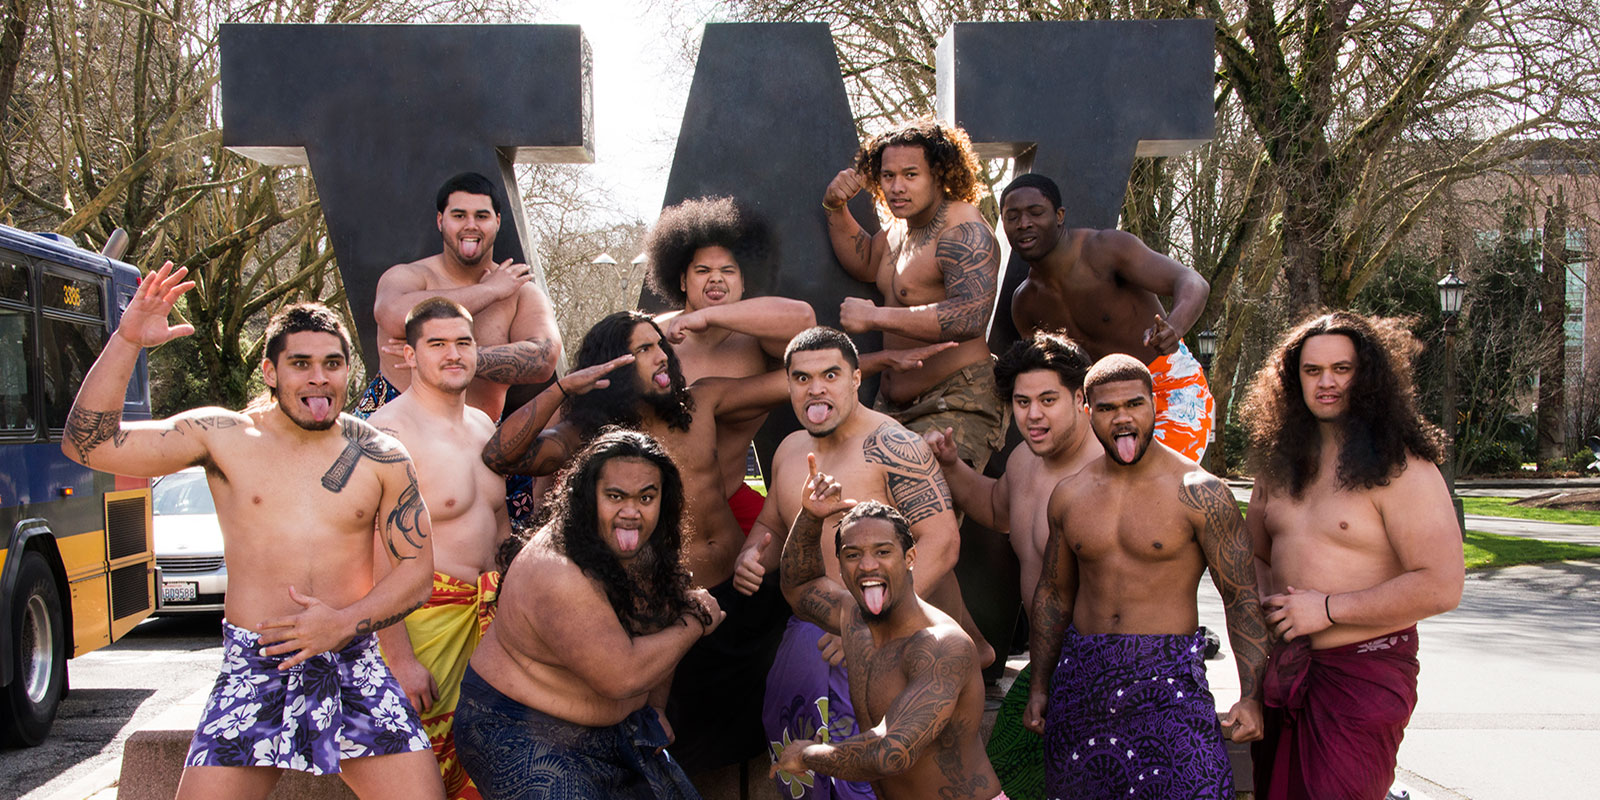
(75, 544)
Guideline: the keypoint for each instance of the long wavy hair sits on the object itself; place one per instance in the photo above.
(949, 152)
(653, 591)
(1380, 428)
(618, 403)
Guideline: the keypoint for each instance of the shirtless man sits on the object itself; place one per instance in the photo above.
(694, 251)
(298, 488)
(914, 675)
(1101, 288)
(1355, 540)
(937, 272)
(1119, 690)
(883, 461)
(512, 322)
(716, 697)
(595, 613)
(1042, 379)
(467, 501)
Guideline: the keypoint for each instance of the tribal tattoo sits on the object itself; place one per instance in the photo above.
(969, 259)
(517, 362)
(920, 237)
(1051, 605)
(802, 566)
(861, 243)
(364, 440)
(1231, 557)
(87, 430)
(916, 484)
(367, 626)
(406, 518)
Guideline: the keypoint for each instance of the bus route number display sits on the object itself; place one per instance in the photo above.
(72, 294)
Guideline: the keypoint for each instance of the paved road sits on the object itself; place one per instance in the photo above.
(114, 690)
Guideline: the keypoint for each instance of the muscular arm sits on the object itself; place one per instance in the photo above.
(815, 597)
(404, 531)
(403, 286)
(969, 259)
(771, 320)
(1255, 525)
(980, 497)
(1420, 522)
(740, 399)
(1155, 273)
(534, 347)
(858, 252)
(916, 488)
(936, 669)
(1230, 554)
(1053, 599)
(522, 445)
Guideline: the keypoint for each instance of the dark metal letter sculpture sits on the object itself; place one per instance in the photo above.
(384, 114)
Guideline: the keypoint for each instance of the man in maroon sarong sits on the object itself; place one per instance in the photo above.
(1355, 541)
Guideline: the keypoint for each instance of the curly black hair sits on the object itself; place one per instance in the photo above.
(1045, 350)
(652, 592)
(618, 403)
(1381, 427)
(702, 222)
(949, 152)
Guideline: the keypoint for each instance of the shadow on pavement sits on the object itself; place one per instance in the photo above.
(88, 721)
(1550, 611)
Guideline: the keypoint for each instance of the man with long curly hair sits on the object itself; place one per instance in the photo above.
(937, 266)
(561, 696)
(1355, 540)
(697, 249)
(1104, 289)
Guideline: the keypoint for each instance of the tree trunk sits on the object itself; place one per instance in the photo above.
(1553, 317)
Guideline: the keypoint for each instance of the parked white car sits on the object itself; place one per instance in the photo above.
(188, 549)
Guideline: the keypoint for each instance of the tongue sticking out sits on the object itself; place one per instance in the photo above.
(469, 249)
(627, 539)
(873, 597)
(816, 413)
(319, 407)
(663, 380)
(1127, 448)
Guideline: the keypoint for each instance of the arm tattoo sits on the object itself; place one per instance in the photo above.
(802, 568)
(1051, 609)
(364, 440)
(935, 672)
(367, 626)
(406, 518)
(916, 484)
(183, 427)
(87, 430)
(862, 244)
(970, 261)
(1229, 554)
(517, 362)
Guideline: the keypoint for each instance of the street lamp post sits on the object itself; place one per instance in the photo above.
(1452, 290)
(1205, 348)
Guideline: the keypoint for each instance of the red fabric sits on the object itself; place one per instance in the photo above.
(1335, 718)
(746, 505)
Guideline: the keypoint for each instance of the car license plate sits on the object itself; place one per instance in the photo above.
(179, 592)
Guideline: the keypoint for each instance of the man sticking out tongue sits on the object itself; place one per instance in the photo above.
(920, 709)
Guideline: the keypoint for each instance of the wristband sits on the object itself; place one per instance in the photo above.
(1326, 610)
(831, 209)
(561, 388)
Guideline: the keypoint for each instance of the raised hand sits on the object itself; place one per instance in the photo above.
(144, 321)
(679, 327)
(588, 379)
(822, 496)
(844, 186)
(1161, 337)
(943, 445)
(856, 314)
(505, 278)
(748, 571)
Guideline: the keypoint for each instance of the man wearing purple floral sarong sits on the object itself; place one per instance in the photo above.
(300, 490)
(1119, 688)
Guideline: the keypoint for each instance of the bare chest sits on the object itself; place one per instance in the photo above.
(873, 688)
(1325, 518)
(736, 356)
(1145, 523)
(1104, 316)
(295, 494)
(911, 273)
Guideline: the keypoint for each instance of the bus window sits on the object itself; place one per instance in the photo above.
(69, 349)
(16, 352)
(14, 283)
(78, 295)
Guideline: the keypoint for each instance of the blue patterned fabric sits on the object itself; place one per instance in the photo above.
(335, 705)
(1132, 716)
(517, 753)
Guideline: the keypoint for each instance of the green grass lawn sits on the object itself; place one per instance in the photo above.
(1501, 507)
(1490, 550)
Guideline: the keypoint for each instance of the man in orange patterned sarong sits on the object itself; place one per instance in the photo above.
(429, 653)
(1104, 289)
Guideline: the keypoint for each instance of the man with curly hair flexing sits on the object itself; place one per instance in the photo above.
(1355, 541)
(937, 266)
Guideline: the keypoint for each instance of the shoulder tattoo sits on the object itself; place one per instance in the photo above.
(916, 484)
(363, 441)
